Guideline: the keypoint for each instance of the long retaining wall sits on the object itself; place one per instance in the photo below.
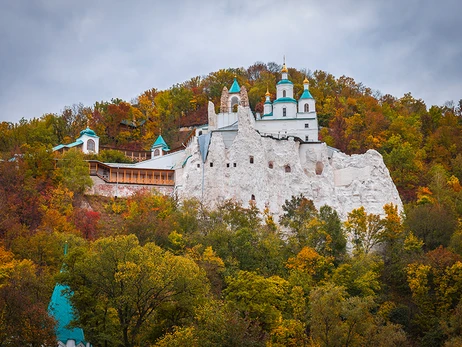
(124, 190)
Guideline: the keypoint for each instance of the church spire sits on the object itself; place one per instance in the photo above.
(284, 69)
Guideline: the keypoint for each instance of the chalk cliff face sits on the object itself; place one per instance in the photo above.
(244, 166)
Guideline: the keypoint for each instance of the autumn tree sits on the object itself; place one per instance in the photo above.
(23, 318)
(73, 171)
(122, 289)
(366, 229)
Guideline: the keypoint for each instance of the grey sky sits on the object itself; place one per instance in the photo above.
(54, 53)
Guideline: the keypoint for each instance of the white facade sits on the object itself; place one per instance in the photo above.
(284, 117)
(90, 144)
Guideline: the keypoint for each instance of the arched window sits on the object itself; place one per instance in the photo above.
(252, 197)
(270, 164)
(307, 108)
(251, 159)
(287, 168)
(90, 145)
(234, 103)
(156, 152)
(284, 93)
(284, 112)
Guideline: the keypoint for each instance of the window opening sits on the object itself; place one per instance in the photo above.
(270, 164)
(234, 164)
(307, 125)
(284, 94)
(284, 112)
(211, 164)
(307, 108)
(252, 197)
(251, 159)
(91, 145)
(287, 168)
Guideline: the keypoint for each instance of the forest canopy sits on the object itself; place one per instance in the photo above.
(149, 270)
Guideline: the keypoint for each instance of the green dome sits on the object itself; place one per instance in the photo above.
(285, 82)
(88, 132)
(306, 95)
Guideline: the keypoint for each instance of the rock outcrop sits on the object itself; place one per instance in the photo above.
(270, 171)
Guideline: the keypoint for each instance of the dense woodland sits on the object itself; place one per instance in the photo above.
(153, 271)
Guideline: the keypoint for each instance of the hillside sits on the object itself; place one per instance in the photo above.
(151, 271)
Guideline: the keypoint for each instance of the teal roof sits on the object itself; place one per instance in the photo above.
(268, 102)
(235, 87)
(70, 145)
(268, 114)
(284, 100)
(284, 82)
(306, 95)
(160, 142)
(60, 309)
(88, 132)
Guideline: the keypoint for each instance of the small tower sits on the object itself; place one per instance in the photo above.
(234, 97)
(306, 103)
(159, 148)
(285, 106)
(268, 106)
(90, 141)
(60, 308)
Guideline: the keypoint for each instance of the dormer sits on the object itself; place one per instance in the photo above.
(159, 148)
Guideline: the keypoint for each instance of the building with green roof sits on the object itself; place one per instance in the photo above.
(60, 308)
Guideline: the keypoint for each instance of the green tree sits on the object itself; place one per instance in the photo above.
(262, 299)
(73, 172)
(367, 230)
(121, 289)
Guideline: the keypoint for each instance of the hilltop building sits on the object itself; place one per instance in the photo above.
(282, 117)
(264, 159)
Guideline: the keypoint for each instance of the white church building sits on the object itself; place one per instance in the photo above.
(282, 117)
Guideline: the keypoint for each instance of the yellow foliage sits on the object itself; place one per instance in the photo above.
(211, 257)
(454, 183)
(309, 261)
(424, 196)
(412, 243)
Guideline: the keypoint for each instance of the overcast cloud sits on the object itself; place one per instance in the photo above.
(55, 53)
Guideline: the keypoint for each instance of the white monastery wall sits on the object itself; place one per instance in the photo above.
(345, 183)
